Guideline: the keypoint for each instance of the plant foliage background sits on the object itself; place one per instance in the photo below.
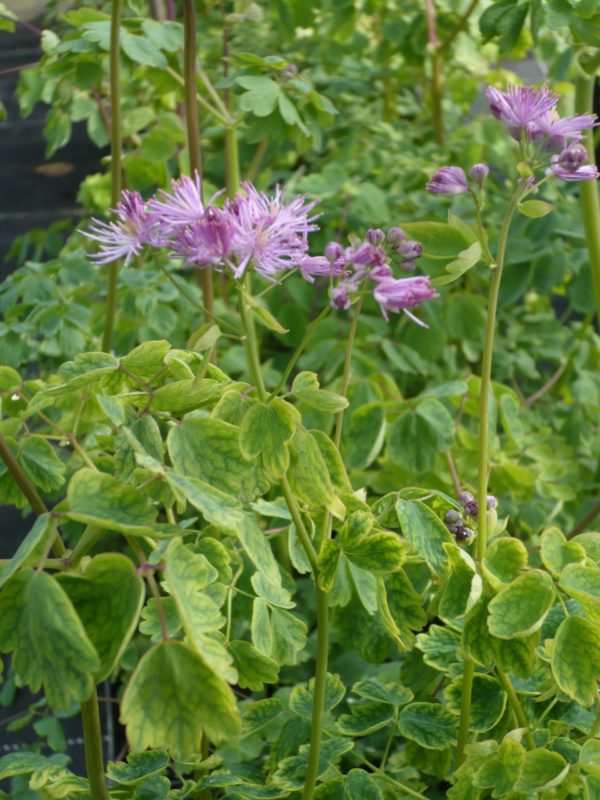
(167, 556)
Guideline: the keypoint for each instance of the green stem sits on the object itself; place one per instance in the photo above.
(516, 706)
(339, 422)
(460, 25)
(232, 162)
(299, 350)
(484, 414)
(588, 190)
(436, 73)
(115, 163)
(22, 480)
(312, 771)
(486, 375)
(92, 739)
(88, 539)
(193, 132)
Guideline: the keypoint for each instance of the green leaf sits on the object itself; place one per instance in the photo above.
(146, 359)
(589, 757)
(262, 633)
(378, 552)
(506, 558)
(96, 498)
(535, 208)
(209, 449)
(256, 715)
(41, 464)
(188, 574)
(309, 477)
(9, 379)
(365, 719)
(154, 788)
(289, 636)
(172, 698)
(138, 767)
(462, 587)
(464, 261)
(306, 389)
(440, 647)
(556, 552)
(477, 640)
(329, 557)
(521, 607)
(364, 434)
(254, 668)
(360, 785)
(291, 772)
(266, 430)
(108, 596)
(393, 693)
(263, 314)
(31, 548)
(517, 655)
(261, 97)
(540, 771)
(439, 239)
(428, 724)
(583, 584)
(576, 659)
(142, 50)
(488, 701)
(425, 532)
(301, 699)
(51, 648)
(22, 763)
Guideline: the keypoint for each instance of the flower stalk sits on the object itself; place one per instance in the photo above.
(92, 739)
(588, 191)
(193, 133)
(116, 143)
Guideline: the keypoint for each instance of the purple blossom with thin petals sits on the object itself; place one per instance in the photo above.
(448, 181)
(126, 237)
(182, 206)
(207, 241)
(558, 131)
(268, 232)
(403, 294)
(521, 106)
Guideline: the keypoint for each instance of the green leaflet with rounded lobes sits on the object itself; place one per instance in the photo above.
(96, 498)
(256, 715)
(505, 559)
(253, 667)
(576, 659)
(425, 532)
(360, 785)
(172, 698)
(301, 698)
(556, 552)
(209, 449)
(519, 609)
(309, 476)
(462, 587)
(108, 596)
(51, 648)
(428, 724)
(138, 767)
(188, 575)
(266, 430)
(488, 701)
(541, 770)
(378, 552)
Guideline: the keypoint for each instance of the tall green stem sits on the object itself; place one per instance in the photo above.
(92, 740)
(588, 190)
(232, 162)
(312, 771)
(115, 163)
(436, 73)
(516, 706)
(484, 450)
(339, 422)
(193, 131)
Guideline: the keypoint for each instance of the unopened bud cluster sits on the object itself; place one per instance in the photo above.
(458, 522)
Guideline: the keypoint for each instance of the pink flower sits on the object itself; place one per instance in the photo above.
(403, 294)
(125, 238)
(448, 181)
(182, 206)
(269, 233)
(558, 131)
(521, 106)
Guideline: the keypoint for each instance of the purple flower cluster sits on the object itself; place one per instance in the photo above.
(253, 231)
(369, 265)
(264, 233)
(531, 116)
(456, 522)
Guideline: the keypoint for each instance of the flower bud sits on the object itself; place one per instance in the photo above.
(448, 181)
(340, 299)
(491, 502)
(452, 517)
(573, 157)
(395, 236)
(465, 535)
(375, 236)
(409, 250)
(333, 251)
(479, 173)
